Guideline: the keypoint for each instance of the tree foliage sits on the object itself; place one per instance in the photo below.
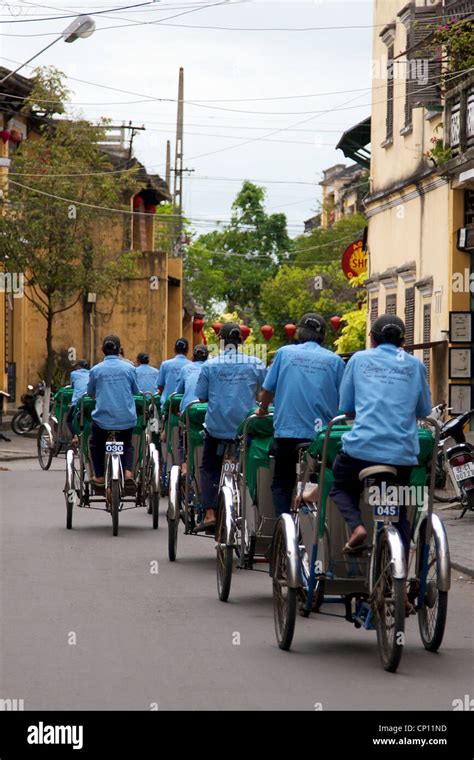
(294, 291)
(353, 333)
(229, 266)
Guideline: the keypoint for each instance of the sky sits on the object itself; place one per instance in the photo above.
(269, 88)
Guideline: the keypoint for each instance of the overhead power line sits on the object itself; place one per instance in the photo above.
(333, 27)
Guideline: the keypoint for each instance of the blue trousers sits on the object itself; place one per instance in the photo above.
(284, 479)
(97, 446)
(210, 470)
(347, 489)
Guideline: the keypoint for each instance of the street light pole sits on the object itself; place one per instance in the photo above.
(82, 26)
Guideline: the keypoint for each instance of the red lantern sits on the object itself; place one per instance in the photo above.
(290, 330)
(5, 134)
(245, 331)
(335, 322)
(15, 137)
(198, 324)
(267, 331)
(217, 327)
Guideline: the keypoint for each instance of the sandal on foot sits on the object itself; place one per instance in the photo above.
(204, 526)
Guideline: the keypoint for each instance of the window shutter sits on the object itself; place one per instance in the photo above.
(427, 337)
(390, 92)
(459, 8)
(410, 316)
(391, 304)
(423, 63)
(374, 310)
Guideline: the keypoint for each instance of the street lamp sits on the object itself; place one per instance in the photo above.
(82, 26)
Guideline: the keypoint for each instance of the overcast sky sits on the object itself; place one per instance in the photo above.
(241, 69)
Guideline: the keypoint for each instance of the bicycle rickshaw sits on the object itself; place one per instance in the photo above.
(184, 500)
(309, 565)
(245, 516)
(115, 496)
(54, 436)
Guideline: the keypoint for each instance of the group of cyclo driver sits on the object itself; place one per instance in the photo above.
(383, 389)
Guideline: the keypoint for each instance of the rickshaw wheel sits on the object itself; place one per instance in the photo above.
(389, 608)
(153, 508)
(174, 496)
(433, 613)
(45, 447)
(70, 489)
(225, 557)
(284, 604)
(115, 506)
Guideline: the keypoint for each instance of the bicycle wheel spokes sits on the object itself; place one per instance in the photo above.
(433, 612)
(284, 597)
(389, 607)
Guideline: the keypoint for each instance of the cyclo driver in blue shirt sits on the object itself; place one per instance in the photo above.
(170, 369)
(79, 379)
(304, 380)
(230, 383)
(113, 384)
(187, 381)
(189, 376)
(385, 389)
(147, 376)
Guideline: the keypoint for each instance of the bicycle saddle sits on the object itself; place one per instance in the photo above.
(377, 469)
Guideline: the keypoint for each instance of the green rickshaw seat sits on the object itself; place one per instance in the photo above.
(258, 447)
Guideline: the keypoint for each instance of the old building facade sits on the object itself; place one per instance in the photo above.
(419, 202)
(145, 310)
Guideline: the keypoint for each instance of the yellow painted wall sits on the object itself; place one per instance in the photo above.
(175, 304)
(423, 228)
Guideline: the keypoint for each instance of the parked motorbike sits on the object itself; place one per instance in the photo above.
(454, 464)
(30, 413)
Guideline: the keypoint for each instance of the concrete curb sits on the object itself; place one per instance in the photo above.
(16, 458)
(463, 569)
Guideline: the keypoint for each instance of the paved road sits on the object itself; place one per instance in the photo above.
(144, 638)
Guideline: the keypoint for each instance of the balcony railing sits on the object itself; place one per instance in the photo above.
(460, 116)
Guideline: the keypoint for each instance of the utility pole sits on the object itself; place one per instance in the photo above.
(168, 164)
(178, 171)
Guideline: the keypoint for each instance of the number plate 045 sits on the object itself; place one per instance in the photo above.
(382, 511)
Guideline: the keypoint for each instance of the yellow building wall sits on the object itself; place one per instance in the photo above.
(421, 229)
(404, 157)
(175, 304)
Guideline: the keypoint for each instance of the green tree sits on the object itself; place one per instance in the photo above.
(47, 233)
(239, 258)
(324, 245)
(294, 291)
(353, 333)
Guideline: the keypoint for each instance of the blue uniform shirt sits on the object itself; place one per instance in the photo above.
(305, 379)
(147, 378)
(387, 389)
(169, 373)
(187, 382)
(113, 382)
(79, 380)
(230, 383)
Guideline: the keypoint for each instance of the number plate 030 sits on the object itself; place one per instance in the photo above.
(114, 447)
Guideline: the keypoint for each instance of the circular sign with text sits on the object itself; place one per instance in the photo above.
(354, 260)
